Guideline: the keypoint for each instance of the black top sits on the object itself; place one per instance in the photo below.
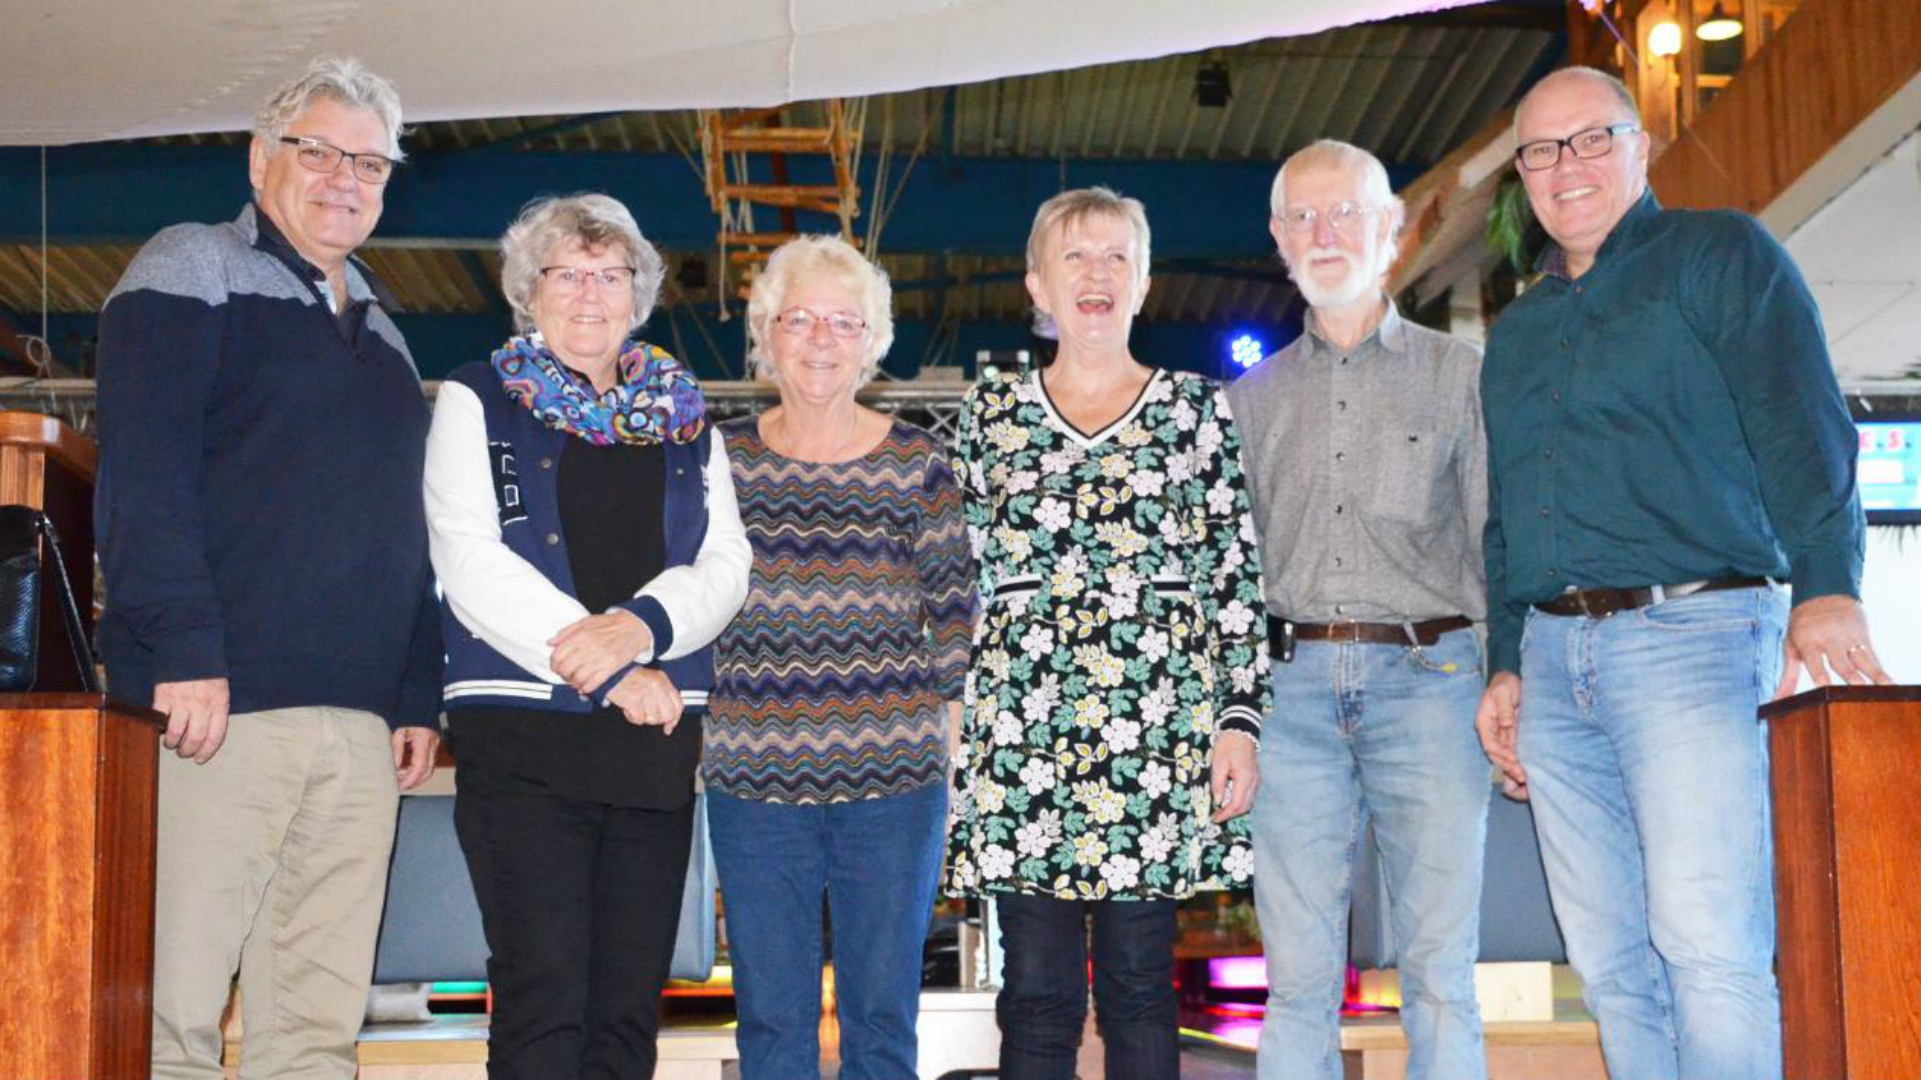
(610, 505)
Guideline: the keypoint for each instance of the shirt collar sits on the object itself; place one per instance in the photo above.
(267, 237)
(1392, 331)
(1553, 261)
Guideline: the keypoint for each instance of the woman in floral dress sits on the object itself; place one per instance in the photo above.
(1120, 672)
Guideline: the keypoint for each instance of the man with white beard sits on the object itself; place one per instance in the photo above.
(1367, 467)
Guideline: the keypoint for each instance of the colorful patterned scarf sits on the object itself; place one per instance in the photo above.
(655, 398)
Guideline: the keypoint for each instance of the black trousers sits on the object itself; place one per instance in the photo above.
(1043, 1000)
(580, 902)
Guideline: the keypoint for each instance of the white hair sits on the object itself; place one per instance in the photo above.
(597, 221)
(814, 256)
(1376, 191)
(338, 78)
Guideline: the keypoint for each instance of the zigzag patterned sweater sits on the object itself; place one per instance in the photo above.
(829, 684)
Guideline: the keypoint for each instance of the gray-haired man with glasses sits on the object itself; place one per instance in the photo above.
(1667, 445)
(263, 436)
(1365, 462)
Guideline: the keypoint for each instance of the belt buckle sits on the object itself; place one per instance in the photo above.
(1602, 608)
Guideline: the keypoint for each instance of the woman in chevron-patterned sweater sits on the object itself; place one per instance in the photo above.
(837, 688)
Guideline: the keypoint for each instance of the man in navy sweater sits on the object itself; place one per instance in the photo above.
(261, 529)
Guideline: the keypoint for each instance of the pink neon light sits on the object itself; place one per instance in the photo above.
(1237, 973)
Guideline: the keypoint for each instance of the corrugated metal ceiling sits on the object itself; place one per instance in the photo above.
(1409, 92)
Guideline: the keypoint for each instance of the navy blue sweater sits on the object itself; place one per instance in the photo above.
(258, 505)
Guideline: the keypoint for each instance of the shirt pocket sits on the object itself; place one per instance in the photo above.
(1410, 472)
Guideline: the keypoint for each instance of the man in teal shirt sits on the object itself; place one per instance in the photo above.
(1667, 447)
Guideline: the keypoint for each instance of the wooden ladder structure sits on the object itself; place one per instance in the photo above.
(738, 145)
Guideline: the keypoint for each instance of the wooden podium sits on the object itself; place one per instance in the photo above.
(77, 808)
(1847, 841)
(46, 464)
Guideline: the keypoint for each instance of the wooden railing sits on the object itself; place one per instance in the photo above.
(1831, 69)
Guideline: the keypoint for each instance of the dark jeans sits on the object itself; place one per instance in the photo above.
(1043, 999)
(580, 902)
(876, 861)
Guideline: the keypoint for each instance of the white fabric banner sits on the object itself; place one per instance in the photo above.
(85, 70)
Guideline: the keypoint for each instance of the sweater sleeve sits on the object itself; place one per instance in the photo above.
(159, 356)
(944, 565)
(686, 607)
(419, 701)
(500, 597)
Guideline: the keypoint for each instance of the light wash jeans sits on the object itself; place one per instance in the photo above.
(1387, 732)
(1649, 778)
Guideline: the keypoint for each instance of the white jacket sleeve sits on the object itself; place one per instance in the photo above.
(499, 596)
(699, 599)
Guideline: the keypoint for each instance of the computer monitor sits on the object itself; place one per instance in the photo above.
(1889, 469)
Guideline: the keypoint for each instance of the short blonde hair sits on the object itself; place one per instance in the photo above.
(597, 221)
(1074, 205)
(1376, 191)
(340, 78)
(808, 257)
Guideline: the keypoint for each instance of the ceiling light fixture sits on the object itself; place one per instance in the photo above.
(1665, 39)
(1212, 87)
(1720, 26)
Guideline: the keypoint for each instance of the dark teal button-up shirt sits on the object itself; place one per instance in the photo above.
(1669, 416)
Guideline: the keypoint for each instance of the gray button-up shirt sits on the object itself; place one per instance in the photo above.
(1368, 473)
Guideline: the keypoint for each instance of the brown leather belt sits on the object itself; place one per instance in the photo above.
(1425, 633)
(1600, 603)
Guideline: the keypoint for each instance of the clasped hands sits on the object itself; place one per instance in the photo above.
(592, 650)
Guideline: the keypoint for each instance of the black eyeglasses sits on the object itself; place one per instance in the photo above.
(325, 158)
(1592, 143)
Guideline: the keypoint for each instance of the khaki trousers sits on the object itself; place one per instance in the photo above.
(273, 864)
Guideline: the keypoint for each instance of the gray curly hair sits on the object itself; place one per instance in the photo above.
(809, 256)
(342, 79)
(597, 221)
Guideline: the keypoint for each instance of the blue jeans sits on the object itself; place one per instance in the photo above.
(1649, 778)
(876, 861)
(1042, 1005)
(1385, 732)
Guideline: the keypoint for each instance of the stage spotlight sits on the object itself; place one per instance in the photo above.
(693, 273)
(1246, 351)
(1212, 87)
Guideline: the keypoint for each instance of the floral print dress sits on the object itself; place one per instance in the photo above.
(1123, 632)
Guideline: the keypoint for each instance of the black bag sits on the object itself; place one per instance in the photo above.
(21, 529)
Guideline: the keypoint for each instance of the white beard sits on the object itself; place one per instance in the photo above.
(1360, 277)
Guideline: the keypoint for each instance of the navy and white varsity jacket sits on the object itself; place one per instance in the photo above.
(493, 524)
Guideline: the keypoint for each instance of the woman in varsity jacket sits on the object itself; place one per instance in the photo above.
(583, 527)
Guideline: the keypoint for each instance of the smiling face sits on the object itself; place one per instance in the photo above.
(324, 216)
(1580, 200)
(1087, 281)
(585, 324)
(818, 366)
(1333, 267)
